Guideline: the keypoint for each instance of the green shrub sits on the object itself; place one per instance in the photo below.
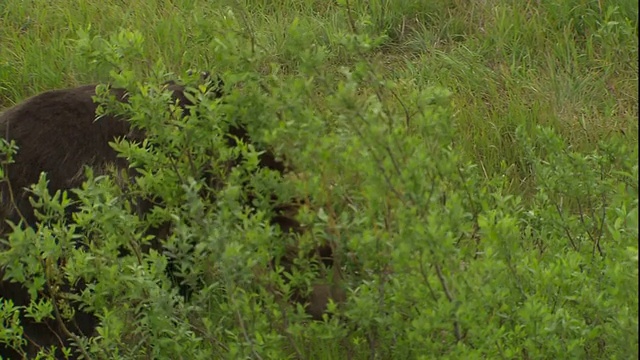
(439, 261)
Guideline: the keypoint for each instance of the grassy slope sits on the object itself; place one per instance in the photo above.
(569, 64)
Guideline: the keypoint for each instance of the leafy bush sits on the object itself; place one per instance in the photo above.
(437, 259)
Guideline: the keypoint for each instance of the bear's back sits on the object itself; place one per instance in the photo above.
(57, 132)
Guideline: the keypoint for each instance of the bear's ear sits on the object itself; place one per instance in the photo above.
(205, 75)
(215, 85)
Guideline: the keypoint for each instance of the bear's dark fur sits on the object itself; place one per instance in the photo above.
(56, 133)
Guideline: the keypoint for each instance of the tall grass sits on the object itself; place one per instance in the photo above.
(568, 64)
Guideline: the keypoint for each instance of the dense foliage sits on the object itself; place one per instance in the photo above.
(440, 257)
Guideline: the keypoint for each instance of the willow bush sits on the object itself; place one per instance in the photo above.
(437, 259)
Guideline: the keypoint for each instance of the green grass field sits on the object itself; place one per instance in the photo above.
(568, 64)
(507, 67)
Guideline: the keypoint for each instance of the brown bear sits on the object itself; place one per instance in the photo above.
(57, 133)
